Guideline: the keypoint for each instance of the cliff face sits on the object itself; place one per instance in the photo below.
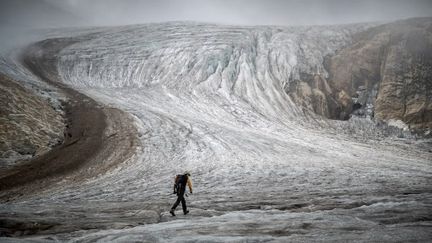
(386, 73)
(406, 85)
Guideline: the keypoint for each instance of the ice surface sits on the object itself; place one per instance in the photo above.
(210, 99)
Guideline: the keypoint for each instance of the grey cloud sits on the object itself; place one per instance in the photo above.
(54, 13)
(245, 12)
(18, 18)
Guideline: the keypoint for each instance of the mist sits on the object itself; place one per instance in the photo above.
(22, 19)
(53, 13)
(245, 12)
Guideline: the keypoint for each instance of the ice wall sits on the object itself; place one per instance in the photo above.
(251, 64)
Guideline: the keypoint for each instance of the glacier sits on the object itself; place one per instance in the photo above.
(211, 99)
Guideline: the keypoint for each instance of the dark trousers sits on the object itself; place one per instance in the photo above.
(180, 198)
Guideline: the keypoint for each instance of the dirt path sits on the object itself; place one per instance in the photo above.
(96, 138)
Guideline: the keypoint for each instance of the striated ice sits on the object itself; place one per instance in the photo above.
(211, 99)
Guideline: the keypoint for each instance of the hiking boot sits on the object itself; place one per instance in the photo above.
(172, 212)
(186, 212)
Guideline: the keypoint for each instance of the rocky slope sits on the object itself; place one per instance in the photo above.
(29, 125)
(385, 73)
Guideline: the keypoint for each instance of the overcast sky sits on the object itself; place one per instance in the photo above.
(49, 13)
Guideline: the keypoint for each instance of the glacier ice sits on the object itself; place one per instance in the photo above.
(211, 99)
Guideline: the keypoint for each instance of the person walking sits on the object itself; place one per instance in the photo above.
(180, 183)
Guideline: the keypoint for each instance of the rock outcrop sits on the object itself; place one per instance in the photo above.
(385, 73)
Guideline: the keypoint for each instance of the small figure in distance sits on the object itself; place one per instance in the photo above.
(180, 189)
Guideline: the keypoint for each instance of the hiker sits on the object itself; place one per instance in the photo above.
(180, 189)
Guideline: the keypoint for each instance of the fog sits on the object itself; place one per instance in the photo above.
(21, 17)
(49, 13)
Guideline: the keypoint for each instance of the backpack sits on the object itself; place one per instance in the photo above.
(180, 183)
